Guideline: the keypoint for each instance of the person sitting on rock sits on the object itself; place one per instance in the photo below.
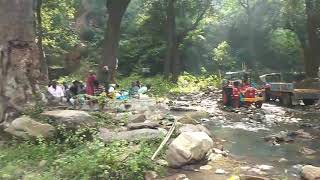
(76, 93)
(144, 89)
(56, 91)
(134, 88)
(97, 88)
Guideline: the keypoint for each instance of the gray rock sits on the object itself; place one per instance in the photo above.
(280, 137)
(194, 128)
(25, 127)
(307, 151)
(150, 175)
(248, 177)
(182, 108)
(310, 172)
(106, 135)
(71, 118)
(301, 134)
(149, 125)
(137, 118)
(188, 147)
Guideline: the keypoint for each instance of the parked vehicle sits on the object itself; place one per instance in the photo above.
(288, 92)
(238, 90)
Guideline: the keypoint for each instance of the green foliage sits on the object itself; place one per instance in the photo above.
(222, 56)
(59, 35)
(286, 47)
(106, 120)
(83, 160)
(161, 87)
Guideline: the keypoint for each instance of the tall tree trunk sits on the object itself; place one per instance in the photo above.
(43, 62)
(19, 57)
(170, 23)
(312, 54)
(172, 62)
(116, 10)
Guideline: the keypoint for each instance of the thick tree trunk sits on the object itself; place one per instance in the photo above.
(312, 54)
(116, 10)
(19, 57)
(43, 62)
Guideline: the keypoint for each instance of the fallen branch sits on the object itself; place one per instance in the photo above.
(165, 140)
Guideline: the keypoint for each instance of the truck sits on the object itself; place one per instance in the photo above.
(306, 90)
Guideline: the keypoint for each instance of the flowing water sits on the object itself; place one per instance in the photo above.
(245, 141)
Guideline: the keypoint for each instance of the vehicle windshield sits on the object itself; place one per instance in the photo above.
(273, 78)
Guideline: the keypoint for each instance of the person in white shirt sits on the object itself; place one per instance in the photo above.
(55, 90)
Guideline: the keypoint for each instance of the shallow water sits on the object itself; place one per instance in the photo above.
(244, 140)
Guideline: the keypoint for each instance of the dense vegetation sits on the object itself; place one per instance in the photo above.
(185, 44)
(211, 35)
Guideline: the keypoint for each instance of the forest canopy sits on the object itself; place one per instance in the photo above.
(216, 35)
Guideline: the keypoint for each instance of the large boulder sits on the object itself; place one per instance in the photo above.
(71, 118)
(140, 134)
(310, 172)
(188, 147)
(25, 127)
(194, 128)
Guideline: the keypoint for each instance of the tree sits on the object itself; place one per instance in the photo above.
(43, 62)
(312, 54)
(303, 17)
(116, 10)
(19, 57)
(173, 63)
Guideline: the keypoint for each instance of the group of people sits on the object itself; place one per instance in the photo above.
(78, 93)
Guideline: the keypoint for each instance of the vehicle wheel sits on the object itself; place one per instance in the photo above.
(286, 100)
(308, 102)
(258, 105)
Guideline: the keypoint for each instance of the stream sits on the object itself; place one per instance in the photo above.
(243, 133)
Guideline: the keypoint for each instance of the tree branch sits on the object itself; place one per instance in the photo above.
(182, 35)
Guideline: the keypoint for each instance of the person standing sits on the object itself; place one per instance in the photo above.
(89, 83)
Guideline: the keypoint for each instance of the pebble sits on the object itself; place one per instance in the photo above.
(42, 163)
(257, 171)
(206, 167)
(214, 157)
(162, 162)
(265, 167)
(283, 160)
(220, 171)
(245, 168)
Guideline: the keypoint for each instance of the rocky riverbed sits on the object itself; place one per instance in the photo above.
(271, 142)
(211, 141)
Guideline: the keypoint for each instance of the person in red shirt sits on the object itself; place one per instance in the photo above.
(236, 95)
(89, 83)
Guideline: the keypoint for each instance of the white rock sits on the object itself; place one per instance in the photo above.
(220, 171)
(214, 157)
(265, 167)
(26, 127)
(283, 160)
(206, 167)
(310, 172)
(245, 168)
(257, 171)
(188, 147)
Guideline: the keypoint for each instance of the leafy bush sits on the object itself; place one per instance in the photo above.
(87, 160)
(161, 87)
